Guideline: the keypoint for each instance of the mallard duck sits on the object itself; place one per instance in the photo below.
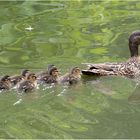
(51, 75)
(27, 85)
(5, 83)
(130, 68)
(72, 77)
(17, 78)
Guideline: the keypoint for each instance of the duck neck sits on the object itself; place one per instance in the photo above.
(134, 42)
(133, 49)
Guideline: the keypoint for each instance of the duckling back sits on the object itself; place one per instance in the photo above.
(26, 86)
(16, 79)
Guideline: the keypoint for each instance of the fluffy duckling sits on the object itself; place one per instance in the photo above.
(5, 83)
(27, 85)
(44, 73)
(18, 78)
(71, 78)
(51, 76)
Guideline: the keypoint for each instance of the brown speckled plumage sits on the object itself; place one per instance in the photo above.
(27, 85)
(18, 78)
(130, 68)
(5, 83)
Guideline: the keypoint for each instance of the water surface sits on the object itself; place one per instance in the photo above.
(67, 34)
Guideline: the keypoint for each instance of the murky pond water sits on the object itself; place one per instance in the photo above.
(67, 34)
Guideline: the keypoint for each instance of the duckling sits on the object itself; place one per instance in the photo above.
(5, 83)
(130, 68)
(44, 73)
(27, 85)
(71, 78)
(17, 78)
(51, 76)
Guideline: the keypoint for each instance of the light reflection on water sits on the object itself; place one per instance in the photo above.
(68, 33)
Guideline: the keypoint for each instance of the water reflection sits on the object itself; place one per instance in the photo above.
(135, 96)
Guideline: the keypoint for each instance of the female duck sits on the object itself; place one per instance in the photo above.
(130, 68)
(27, 85)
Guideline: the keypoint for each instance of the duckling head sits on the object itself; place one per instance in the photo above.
(5, 78)
(25, 72)
(53, 71)
(76, 72)
(31, 77)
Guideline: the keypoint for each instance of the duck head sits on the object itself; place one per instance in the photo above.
(134, 41)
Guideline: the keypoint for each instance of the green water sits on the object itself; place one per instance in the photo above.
(67, 34)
